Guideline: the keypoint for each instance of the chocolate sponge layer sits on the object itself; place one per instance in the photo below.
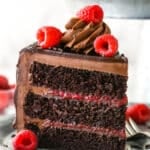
(78, 81)
(73, 140)
(74, 111)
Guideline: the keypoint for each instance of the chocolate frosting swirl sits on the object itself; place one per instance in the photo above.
(80, 35)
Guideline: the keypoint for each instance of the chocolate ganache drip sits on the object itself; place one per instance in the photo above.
(80, 36)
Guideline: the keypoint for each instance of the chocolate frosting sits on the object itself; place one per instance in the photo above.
(80, 35)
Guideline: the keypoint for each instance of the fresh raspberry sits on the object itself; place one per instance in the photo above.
(5, 98)
(48, 36)
(4, 82)
(140, 113)
(25, 140)
(92, 13)
(106, 45)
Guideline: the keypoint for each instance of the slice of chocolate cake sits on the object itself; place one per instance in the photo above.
(73, 94)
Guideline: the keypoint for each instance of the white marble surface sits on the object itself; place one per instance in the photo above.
(21, 19)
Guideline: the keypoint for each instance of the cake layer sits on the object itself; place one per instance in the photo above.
(77, 80)
(74, 111)
(51, 137)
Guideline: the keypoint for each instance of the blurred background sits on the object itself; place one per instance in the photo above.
(20, 20)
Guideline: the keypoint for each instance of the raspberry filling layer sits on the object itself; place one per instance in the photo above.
(114, 102)
(78, 127)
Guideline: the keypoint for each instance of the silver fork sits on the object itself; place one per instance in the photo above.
(132, 129)
(135, 133)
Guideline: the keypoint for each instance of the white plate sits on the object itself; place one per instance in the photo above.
(7, 116)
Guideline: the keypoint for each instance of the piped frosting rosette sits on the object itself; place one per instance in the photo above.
(83, 29)
(81, 35)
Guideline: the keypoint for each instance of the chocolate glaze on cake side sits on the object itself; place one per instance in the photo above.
(69, 95)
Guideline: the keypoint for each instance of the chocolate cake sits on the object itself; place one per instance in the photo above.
(71, 96)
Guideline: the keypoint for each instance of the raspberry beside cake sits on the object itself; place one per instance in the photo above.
(71, 91)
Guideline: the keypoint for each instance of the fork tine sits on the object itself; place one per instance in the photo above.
(129, 128)
(127, 133)
(134, 125)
